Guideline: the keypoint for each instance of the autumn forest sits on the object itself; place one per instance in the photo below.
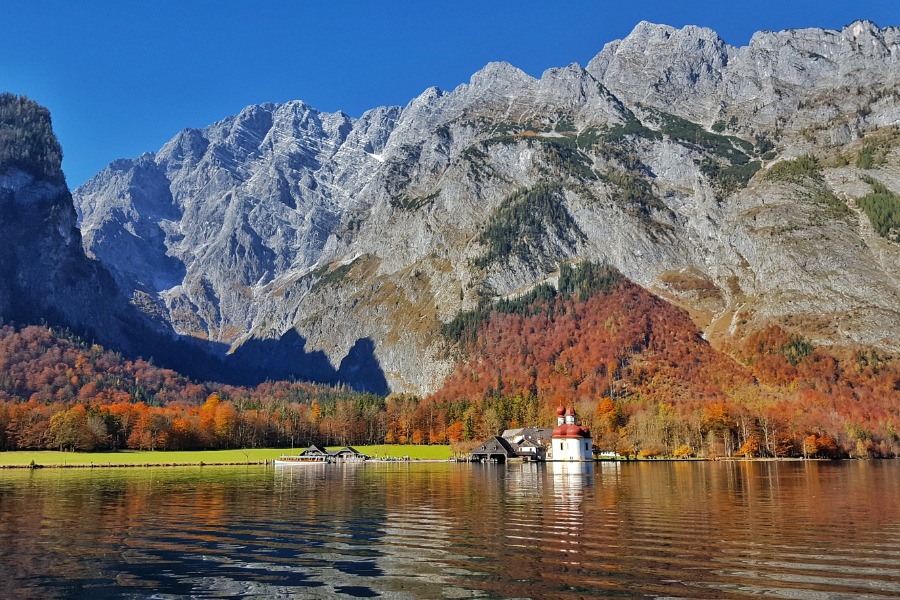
(635, 367)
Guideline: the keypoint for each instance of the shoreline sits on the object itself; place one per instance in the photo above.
(260, 463)
(134, 465)
(270, 462)
(51, 459)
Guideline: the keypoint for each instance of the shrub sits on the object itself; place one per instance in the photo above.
(523, 222)
(683, 451)
(796, 170)
(649, 452)
(882, 206)
(27, 140)
(872, 154)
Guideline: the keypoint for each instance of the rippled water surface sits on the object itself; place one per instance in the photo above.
(690, 530)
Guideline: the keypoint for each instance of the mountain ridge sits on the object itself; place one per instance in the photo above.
(282, 218)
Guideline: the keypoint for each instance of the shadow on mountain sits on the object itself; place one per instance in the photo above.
(282, 358)
(121, 327)
(46, 277)
(361, 370)
(286, 358)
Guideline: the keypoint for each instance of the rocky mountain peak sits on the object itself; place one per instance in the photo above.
(865, 28)
(651, 41)
(293, 238)
(689, 37)
(496, 84)
(429, 98)
(570, 76)
(662, 65)
(502, 73)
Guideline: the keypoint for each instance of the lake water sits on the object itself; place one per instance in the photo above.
(687, 530)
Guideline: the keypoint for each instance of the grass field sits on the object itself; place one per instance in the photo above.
(413, 452)
(48, 458)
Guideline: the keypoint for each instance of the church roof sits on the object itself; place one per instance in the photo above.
(571, 431)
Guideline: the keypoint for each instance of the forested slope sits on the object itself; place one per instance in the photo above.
(57, 392)
(645, 381)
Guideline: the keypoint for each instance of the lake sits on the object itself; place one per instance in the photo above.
(437, 530)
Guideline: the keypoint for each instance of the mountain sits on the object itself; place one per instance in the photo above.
(752, 186)
(45, 275)
(44, 272)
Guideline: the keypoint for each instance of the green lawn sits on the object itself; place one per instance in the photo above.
(139, 457)
(413, 452)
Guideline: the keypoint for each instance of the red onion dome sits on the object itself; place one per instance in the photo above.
(570, 432)
(570, 412)
(560, 410)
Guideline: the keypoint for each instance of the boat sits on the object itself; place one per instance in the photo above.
(290, 461)
(316, 455)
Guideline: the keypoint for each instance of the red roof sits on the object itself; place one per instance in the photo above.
(570, 432)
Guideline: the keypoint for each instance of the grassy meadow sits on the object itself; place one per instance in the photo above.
(124, 458)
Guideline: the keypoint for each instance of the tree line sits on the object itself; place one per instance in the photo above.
(637, 370)
(58, 392)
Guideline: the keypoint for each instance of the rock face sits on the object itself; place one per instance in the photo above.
(44, 273)
(326, 247)
(790, 79)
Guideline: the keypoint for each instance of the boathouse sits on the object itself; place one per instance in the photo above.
(315, 452)
(345, 454)
(495, 449)
(348, 454)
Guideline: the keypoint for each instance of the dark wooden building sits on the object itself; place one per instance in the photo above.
(494, 449)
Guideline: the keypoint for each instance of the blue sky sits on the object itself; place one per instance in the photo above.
(123, 77)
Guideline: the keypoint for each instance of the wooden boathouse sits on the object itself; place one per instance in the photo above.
(494, 449)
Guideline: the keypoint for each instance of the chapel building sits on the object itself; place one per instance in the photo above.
(568, 441)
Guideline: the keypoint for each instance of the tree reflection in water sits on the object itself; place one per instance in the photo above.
(407, 530)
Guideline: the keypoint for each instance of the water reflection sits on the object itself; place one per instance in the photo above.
(711, 530)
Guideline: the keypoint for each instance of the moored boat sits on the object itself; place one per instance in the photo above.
(289, 461)
(316, 455)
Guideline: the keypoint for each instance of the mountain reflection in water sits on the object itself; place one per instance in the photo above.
(406, 530)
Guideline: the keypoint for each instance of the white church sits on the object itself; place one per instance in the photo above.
(568, 441)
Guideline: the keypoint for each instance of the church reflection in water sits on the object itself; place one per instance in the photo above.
(570, 482)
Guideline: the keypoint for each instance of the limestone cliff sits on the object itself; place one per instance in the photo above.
(317, 244)
(44, 273)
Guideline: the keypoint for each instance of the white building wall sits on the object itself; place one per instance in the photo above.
(572, 449)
